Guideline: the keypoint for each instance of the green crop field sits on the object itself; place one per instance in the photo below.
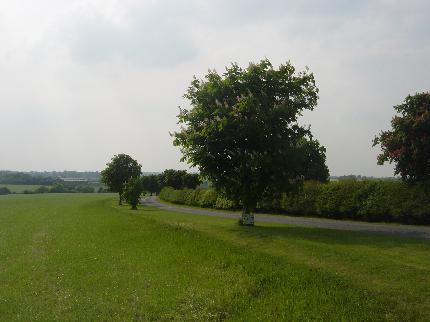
(82, 257)
(20, 188)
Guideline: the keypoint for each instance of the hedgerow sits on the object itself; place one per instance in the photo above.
(383, 201)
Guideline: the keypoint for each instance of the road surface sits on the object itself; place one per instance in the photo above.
(381, 228)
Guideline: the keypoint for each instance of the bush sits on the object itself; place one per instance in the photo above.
(132, 191)
(399, 202)
(42, 189)
(85, 189)
(342, 199)
(172, 195)
(4, 191)
(300, 202)
(207, 198)
(391, 201)
(224, 203)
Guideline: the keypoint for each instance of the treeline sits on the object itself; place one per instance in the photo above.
(153, 183)
(61, 188)
(376, 201)
(93, 176)
(12, 177)
(177, 179)
(45, 178)
(360, 177)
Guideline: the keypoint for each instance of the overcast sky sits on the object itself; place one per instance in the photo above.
(83, 80)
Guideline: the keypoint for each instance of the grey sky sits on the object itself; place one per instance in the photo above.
(83, 80)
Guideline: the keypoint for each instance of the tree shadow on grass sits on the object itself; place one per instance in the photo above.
(331, 236)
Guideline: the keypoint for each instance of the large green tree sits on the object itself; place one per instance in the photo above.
(242, 130)
(119, 170)
(407, 144)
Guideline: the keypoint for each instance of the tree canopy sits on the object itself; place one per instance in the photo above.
(179, 179)
(119, 170)
(407, 144)
(242, 130)
(314, 163)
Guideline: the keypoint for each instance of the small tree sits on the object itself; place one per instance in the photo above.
(132, 191)
(407, 144)
(242, 131)
(120, 170)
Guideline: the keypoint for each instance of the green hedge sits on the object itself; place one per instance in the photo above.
(206, 198)
(389, 201)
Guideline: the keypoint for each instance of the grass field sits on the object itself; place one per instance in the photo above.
(82, 257)
(19, 188)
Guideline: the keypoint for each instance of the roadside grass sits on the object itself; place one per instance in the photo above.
(20, 188)
(82, 257)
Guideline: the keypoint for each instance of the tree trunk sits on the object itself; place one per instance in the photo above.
(134, 207)
(247, 217)
(120, 199)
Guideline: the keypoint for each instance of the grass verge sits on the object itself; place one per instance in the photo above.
(82, 257)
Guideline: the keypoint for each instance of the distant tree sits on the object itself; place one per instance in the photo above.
(151, 184)
(242, 131)
(191, 180)
(132, 191)
(12, 177)
(407, 144)
(120, 170)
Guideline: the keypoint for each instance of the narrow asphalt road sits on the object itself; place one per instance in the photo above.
(392, 229)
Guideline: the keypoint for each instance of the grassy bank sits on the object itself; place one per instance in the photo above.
(82, 257)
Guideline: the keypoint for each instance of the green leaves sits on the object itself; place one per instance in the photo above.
(132, 190)
(242, 131)
(120, 170)
(407, 144)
